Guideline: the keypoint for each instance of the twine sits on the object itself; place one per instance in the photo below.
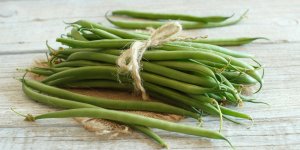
(130, 59)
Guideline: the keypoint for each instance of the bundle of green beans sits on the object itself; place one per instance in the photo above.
(188, 77)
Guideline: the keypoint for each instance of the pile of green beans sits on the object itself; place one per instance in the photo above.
(187, 77)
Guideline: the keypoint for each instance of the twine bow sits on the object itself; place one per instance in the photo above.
(129, 60)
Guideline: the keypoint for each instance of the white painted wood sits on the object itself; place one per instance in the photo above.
(27, 24)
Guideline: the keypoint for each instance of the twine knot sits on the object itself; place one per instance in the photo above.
(130, 59)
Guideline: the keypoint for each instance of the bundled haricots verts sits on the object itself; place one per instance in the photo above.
(189, 77)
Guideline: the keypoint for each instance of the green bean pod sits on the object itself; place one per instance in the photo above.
(104, 34)
(185, 25)
(147, 131)
(203, 46)
(130, 118)
(158, 16)
(121, 33)
(227, 41)
(107, 43)
(75, 34)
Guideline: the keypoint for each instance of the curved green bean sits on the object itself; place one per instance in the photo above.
(185, 25)
(166, 16)
(227, 41)
(130, 118)
(147, 131)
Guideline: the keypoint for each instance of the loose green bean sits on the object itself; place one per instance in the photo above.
(185, 25)
(130, 119)
(166, 16)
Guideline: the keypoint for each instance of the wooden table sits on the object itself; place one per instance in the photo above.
(26, 25)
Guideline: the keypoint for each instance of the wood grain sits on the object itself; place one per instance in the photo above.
(26, 25)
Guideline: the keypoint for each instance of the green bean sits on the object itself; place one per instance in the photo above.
(130, 119)
(75, 34)
(181, 55)
(147, 131)
(40, 71)
(203, 46)
(170, 101)
(177, 85)
(61, 56)
(104, 34)
(105, 71)
(53, 101)
(227, 41)
(100, 84)
(185, 25)
(239, 78)
(231, 112)
(188, 66)
(79, 63)
(110, 43)
(65, 81)
(90, 36)
(154, 56)
(69, 51)
(118, 32)
(158, 16)
(107, 103)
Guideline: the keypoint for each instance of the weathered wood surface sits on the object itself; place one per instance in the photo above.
(26, 25)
